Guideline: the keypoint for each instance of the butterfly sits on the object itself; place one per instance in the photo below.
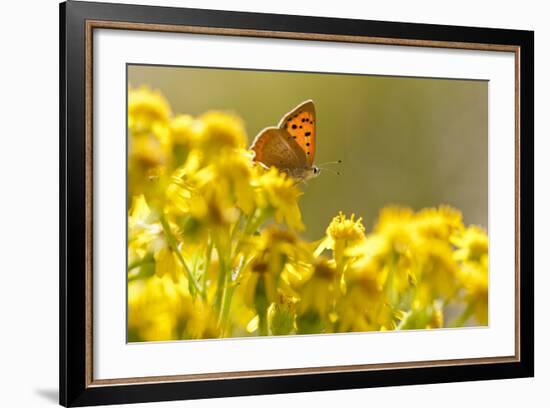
(291, 145)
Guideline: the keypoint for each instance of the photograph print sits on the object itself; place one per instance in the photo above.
(274, 203)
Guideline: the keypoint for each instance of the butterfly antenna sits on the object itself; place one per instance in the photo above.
(330, 162)
(331, 170)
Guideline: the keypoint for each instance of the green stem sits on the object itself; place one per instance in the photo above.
(237, 232)
(261, 304)
(255, 221)
(225, 289)
(262, 323)
(227, 295)
(206, 267)
(174, 246)
(237, 236)
(222, 274)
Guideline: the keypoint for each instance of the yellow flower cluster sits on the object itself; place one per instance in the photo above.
(214, 247)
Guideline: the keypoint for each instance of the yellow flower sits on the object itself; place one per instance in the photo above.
(374, 245)
(150, 149)
(439, 222)
(149, 160)
(149, 143)
(472, 254)
(184, 129)
(201, 194)
(436, 274)
(343, 229)
(218, 131)
(183, 189)
(259, 285)
(232, 176)
(399, 238)
(474, 276)
(262, 282)
(273, 250)
(343, 235)
(153, 310)
(472, 244)
(161, 310)
(278, 192)
(319, 291)
(146, 108)
(147, 242)
(282, 316)
(223, 183)
(317, 297)
(167, 263)
(396, 225)
(365, 306)
(143, 229)
(213, 249)
(199, 321)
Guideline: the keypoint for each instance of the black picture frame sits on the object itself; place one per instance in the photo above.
(76, 385)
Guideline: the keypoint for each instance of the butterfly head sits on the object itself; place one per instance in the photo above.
(315, 171)
(303, 173)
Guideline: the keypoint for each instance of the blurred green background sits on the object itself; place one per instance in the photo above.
(416, 142)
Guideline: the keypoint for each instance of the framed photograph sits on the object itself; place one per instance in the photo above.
(256, 203)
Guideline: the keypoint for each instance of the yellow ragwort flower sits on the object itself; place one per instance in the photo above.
(214, 251)
(365, 306)
(232, 175)
(218, 131)
(282, 316)
(475, 278)
(396, 225)
(184, 129)
(471, 245)
(472, 253)
(317, 298)
(160, 309)
(149, 142)
(143, 229)
(146, 108)
(342, 236)
(344, 229)
(436, 272)
(149, 149)
(167, 263)
(278, 192)
(324, 274)
(439, 222)
(273, 251)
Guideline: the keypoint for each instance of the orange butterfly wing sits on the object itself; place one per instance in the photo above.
(275, 147)
(300, 124)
